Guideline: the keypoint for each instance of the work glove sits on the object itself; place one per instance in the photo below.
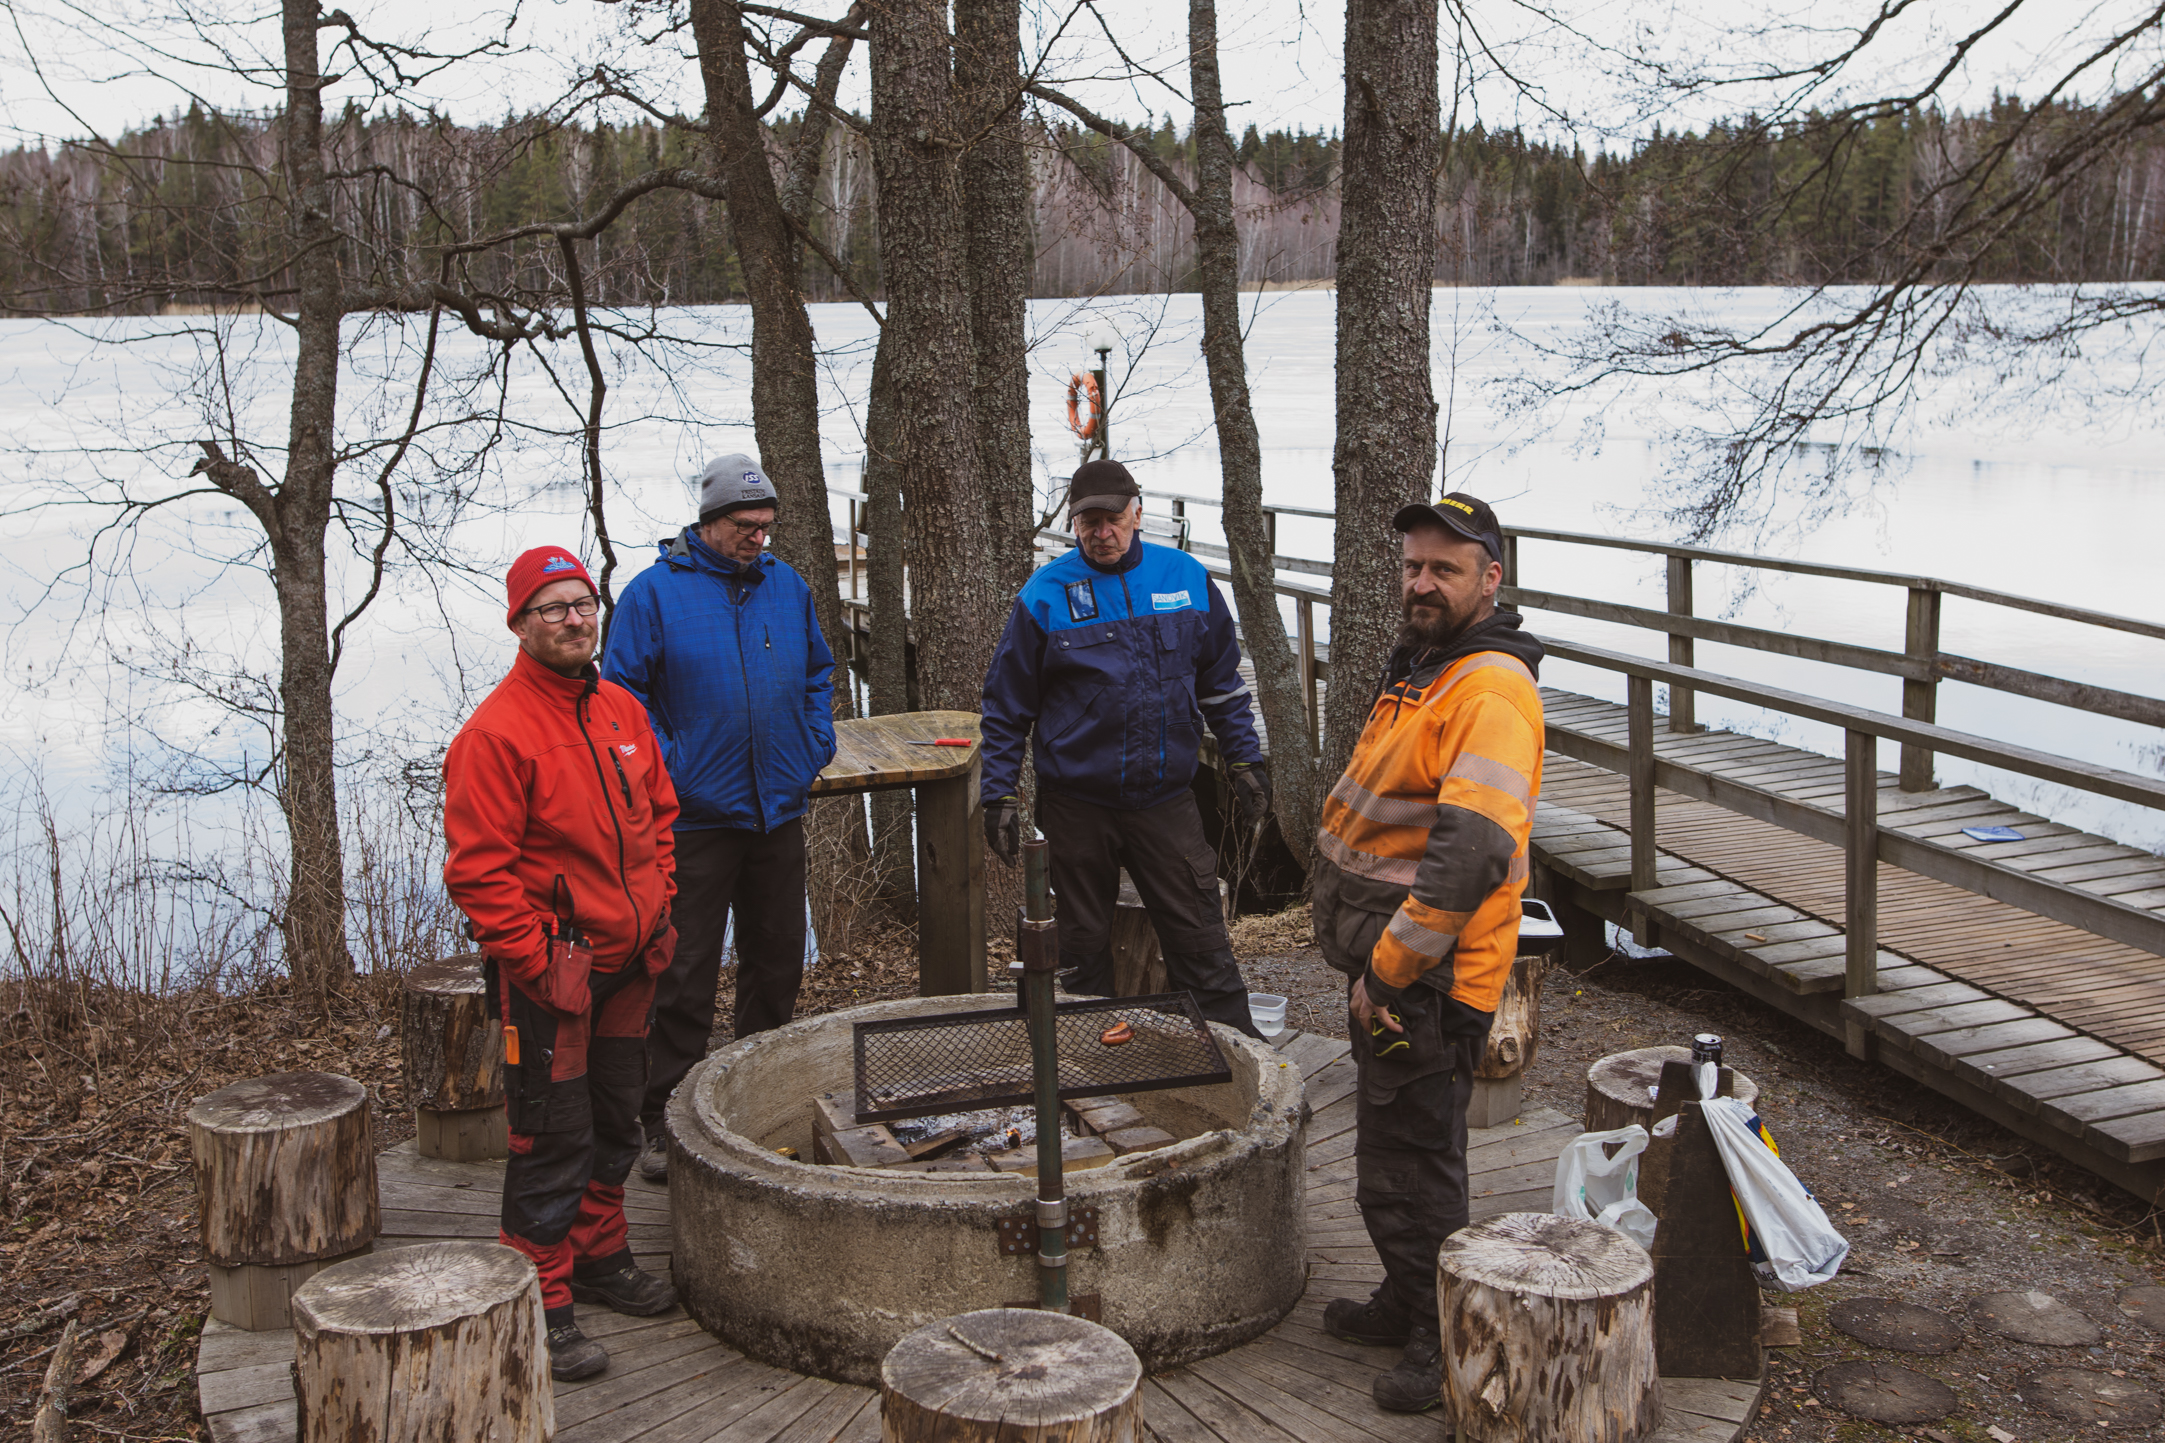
(1251, 792)
(1003, 828)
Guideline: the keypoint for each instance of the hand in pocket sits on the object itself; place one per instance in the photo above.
(661, 948)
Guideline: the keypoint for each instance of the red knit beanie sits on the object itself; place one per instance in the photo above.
(535, 569)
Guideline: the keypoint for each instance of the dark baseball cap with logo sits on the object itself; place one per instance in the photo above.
(1466, 515)
(1101, 486)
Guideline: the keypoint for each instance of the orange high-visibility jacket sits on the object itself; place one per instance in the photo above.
(1439, 801)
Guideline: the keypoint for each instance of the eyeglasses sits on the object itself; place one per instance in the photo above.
(749, 528)
(555, 612)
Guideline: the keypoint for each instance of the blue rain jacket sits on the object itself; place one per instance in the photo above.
(729, 662)
(1118, 668)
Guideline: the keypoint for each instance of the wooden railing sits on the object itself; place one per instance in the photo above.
(1857, 828)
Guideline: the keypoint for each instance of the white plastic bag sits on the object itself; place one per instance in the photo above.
(1802, 1248)
(1597, 1187)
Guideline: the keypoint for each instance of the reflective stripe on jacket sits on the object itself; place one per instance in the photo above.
(1118, 669)
(1433, 814)
(558, 776)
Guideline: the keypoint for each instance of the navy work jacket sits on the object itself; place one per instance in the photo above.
(730, 665)
(1117, 668)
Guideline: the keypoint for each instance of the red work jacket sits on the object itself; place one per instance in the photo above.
(556, 776)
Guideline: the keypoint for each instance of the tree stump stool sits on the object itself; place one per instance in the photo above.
(1548, 1332)
(1619, 1088)
(285, 1182)
(454, 1062)
(1011, 1375)
(443, 1340)
(1513, 1040)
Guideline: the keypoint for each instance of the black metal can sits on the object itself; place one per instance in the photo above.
(1706, 1047)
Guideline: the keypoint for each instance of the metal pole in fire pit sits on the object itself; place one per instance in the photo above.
(1040, 960)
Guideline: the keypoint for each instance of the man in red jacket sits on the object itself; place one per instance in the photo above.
(558, 813)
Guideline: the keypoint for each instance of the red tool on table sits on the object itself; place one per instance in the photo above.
(944, 742)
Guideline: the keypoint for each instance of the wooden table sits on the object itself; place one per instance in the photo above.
(873, 754)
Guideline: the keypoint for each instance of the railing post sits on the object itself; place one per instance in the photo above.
(1639, 692)
(1270, 531)
(1510, 559)
(1920, 698)
(1680, 647)
(1860, 831)
(1304, 615)
(855, 527)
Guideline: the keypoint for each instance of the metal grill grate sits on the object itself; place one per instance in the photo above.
(962, 1061)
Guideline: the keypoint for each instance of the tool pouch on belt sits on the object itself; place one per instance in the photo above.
(544, 1059)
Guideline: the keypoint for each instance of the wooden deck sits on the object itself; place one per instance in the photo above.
(669, 1382)
(2048, 1028)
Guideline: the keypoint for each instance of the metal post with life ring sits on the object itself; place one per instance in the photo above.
(1086, 389)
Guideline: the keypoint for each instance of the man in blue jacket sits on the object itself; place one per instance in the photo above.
(719, 641)
(1117, 654)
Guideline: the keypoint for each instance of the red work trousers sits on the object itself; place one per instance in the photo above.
(573, 1098)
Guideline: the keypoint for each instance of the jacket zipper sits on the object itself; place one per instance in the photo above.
(751, 732)
(638, 929)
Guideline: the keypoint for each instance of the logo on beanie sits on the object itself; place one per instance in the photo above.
(558, 563)
(753, 478)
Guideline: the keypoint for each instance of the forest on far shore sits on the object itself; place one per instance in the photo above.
(194, 194)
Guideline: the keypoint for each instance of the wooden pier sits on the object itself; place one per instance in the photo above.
(670, 1382)
(2023, 978)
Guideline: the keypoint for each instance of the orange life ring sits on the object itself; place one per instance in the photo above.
(1078, 386)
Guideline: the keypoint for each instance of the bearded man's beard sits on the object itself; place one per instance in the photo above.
(1438, 625)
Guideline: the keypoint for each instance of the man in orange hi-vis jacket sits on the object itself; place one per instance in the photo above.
(1421, 858)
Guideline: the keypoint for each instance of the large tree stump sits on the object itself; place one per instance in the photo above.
(1513, 1040)
(1619, 1088)
(444, 1340)
(1011, 1375)
(1548, 1332)
(454, 1062)
(285, 1181)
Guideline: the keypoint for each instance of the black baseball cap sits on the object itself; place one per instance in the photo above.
(1467, 515)
(1101, 486)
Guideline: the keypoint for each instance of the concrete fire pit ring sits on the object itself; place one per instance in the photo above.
(821, 1269)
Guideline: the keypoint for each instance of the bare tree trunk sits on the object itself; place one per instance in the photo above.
(931, 356)
(1386, 448)
(315, 920)
(893, 844)
(1240, 450)
(996, 195)
(785, 380)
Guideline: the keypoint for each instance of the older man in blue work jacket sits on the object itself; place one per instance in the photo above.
(1116, 655)
(719, 641)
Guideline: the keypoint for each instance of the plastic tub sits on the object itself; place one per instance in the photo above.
(1268, 1010)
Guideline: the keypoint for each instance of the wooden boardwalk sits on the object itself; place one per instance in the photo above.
(2049, 1029)
(670, 1382)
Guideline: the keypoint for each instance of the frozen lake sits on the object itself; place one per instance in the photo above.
(2057, 500)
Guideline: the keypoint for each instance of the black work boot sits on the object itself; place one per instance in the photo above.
(630, 1290)
(654, 1155)
(1416, 1384)
(573, 1355)
(1368, 1322)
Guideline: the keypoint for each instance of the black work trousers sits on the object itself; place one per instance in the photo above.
(1410, 1145)
(759, 877)
(1176, 872)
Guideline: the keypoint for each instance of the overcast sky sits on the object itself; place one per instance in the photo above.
(70, 66)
